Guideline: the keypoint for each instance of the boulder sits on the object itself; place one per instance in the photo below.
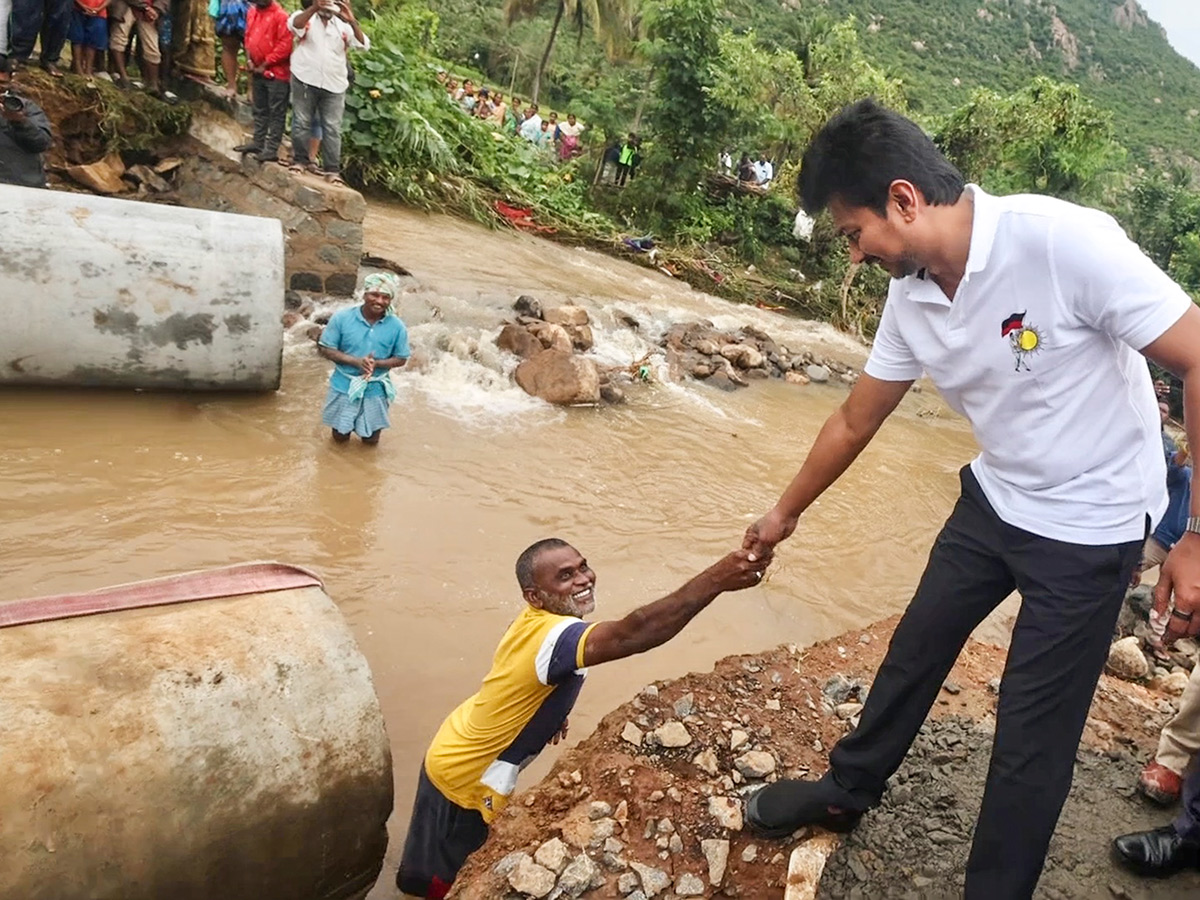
(560, 377)
(581, 337)
(102, 176)
(566, 315)
(672, 734)
(654, 881)
(795, 378)
(611, 393)
(1126, 660)
(527, 877)
(705, 346)
(817, 374)
(689, 885)
(528, 306)
(518, 341)
(553, 855)
(1173, 683)
(141, 174)
(553, 337)
(578, 876)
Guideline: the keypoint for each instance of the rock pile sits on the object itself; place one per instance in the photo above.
(110, 175)
(729, 360)
(548, 343)
(1134, 655)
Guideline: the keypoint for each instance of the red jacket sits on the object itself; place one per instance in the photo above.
(269, 40)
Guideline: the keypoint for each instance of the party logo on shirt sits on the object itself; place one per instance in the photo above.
(1023, 338)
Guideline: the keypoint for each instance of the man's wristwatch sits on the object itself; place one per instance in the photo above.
(1193, 524)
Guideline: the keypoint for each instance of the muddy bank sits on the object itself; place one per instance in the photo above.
(649, 801)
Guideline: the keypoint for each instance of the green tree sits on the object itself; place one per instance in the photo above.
(1047, 137)
(614, 24)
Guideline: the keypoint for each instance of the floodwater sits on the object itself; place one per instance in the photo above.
(416, 539)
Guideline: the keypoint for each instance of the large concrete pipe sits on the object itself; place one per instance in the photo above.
(114, 293)
(211, 735)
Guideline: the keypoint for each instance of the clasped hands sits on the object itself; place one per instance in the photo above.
(1178, 589)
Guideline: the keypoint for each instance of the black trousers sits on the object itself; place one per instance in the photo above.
(441, 835)
(1070, 597)
(270, 113)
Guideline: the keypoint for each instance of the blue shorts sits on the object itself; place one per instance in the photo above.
(165, 31)
(88, 31)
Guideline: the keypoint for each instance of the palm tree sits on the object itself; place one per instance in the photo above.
(614, 23)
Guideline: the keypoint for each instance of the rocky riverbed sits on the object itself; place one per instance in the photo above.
(650, 804)
(552, 347)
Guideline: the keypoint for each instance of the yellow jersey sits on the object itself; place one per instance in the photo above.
(484, 744)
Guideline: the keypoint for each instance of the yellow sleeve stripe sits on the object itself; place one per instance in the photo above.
(579, 649)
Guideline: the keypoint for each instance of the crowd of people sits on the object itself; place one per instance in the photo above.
(760, 171)
(298, 61)
(555, 139)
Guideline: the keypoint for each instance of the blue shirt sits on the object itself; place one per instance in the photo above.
(1179, 492)
(349, 332)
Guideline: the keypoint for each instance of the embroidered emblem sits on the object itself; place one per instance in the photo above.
(1024, 339)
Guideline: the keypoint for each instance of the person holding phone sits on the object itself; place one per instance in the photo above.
(325, 30)
(24, 137)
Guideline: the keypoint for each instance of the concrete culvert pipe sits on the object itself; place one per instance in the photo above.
(210, 735)
(98, 292)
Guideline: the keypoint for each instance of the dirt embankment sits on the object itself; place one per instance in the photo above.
(648, 806)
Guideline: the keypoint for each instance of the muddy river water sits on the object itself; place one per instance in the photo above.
(416, 539)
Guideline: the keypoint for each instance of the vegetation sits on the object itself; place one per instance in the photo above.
(1023, 95)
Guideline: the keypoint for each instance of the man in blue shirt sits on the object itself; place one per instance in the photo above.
(366, 342)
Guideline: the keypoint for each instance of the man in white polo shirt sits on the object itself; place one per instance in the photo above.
(1032, 317)
(325, 31)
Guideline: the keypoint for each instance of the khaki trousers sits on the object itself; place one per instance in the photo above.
(1180, 739)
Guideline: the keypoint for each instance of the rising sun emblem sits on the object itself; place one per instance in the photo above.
(1025, 339)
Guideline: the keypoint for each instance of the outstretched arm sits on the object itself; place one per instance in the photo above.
(841, 439)
(1178, 351)
(656, 623)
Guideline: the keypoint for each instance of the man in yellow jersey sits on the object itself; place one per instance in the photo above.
(471, 768)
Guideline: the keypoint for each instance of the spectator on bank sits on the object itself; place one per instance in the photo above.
(746, 170)
(5, 15)
(568, 140)
(193, 42)
(326, 31)
(725, 162)
(165, 24)
(499, 110)
(366, 343)
(269, 51)
(627, 159)
(545, 141)
(124, 17)
(531, 128)
(229, 22)
(24, 137)
(763, 170)
(538, 670)
(516, 115)
(553, 120)
(88, 34)
(44, 20)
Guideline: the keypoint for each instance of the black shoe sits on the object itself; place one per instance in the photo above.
(1156, 853)
(792, 804)
(247, 148)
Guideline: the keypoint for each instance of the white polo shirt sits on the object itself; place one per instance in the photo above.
(1039, 351)
(319, 57)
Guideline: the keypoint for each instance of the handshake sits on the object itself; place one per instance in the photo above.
(746, 567)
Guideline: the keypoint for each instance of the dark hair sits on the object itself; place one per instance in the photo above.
(529, 556)
(864, 148)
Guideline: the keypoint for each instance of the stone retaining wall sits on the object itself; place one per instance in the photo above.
(322, 223)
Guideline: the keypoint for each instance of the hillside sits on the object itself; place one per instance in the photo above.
(944, 49)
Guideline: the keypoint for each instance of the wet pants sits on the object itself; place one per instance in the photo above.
(1070, 597)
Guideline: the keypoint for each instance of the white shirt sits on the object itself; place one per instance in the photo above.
(319, 58)
(572, 130)
(1039, 352)
(531, 128)
(764, 170)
